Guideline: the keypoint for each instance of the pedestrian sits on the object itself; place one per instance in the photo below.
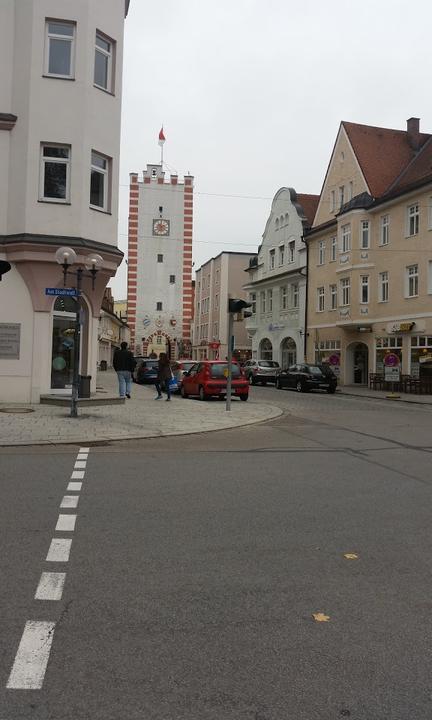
(124, 365)
(164, 377)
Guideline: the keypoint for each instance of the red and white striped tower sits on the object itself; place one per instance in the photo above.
(132, 256)
(187, 260)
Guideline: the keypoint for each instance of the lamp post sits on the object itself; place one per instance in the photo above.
(66, 257)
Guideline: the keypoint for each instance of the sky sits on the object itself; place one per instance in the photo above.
(251, 94)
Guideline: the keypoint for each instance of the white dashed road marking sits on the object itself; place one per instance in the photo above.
(74, 486)
(66, 523)
(31, 660)
(28, 670)
(50, 586)
(59, 550)
(69, 501)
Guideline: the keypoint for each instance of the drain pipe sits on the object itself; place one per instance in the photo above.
(306, 298)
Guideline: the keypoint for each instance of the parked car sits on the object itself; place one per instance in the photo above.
(261, 371)
(305, 377)
(209, 377)
(145, 370)
(180, 368)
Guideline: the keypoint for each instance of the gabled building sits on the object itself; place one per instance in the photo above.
(112, 331)
(277, 280)
(370, 253)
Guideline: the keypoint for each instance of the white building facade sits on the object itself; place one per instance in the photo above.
(160, 293)
(215, 281)
(60, 104)
(277, 281)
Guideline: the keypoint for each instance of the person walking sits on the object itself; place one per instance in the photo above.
(124, 364)
(163, 377)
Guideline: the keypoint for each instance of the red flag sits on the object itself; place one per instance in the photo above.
(161, 136)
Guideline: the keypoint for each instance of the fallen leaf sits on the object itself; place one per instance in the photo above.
(320, 617)
(350, 556)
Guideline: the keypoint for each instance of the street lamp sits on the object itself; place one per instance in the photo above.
(66, 257)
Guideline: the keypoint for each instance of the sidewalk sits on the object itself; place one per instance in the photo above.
(366, 392)
(140, 417)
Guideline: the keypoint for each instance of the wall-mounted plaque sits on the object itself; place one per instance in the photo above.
(10, 335)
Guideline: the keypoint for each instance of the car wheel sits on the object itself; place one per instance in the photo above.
(263, 383)
(278, 384)
(331, 390)
(251, 380)
(183, 392)
(244, 397)
(202, 394)
(221, 397)
(299, 386)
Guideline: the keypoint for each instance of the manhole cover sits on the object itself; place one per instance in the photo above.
(16, 410)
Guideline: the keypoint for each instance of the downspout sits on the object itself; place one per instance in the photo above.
(306, 299)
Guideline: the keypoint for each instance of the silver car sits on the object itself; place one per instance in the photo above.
(261, 371)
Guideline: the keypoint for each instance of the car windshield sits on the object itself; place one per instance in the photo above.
(151, 363)
(314, 370)
(187, 366)
(221, 370)
(269, 363)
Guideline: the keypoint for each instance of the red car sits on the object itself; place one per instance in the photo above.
(208, 377)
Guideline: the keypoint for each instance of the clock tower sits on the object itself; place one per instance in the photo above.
(160, 263)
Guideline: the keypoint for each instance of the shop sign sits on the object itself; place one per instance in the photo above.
(214, 345)
(276, 326)
(425, 358)
(10, 336)
(400, 327)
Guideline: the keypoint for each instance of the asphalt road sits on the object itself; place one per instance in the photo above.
(197, 565)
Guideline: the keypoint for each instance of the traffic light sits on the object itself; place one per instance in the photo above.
(4, 268)
(237, 307)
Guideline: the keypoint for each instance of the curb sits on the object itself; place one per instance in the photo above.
(341, 393)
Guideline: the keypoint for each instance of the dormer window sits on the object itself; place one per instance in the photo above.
(277, 223)
(154, 173)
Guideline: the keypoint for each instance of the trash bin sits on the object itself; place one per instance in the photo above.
(103, 365)
(84, 386)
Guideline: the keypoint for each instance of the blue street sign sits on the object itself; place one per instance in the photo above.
(70, 292)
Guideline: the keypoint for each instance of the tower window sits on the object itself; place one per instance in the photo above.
(158, 306)
(160, 258)
(160, 209)
(172, 279)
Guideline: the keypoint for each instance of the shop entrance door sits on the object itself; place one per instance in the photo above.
(360, 370)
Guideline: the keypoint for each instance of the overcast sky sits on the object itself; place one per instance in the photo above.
(251, 94)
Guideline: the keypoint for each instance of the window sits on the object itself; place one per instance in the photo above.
(55, 173)
(384, 230)
(341, 195)
(345, 284)
(320, 299)
(383, 287)
(103, 67)
(333, 249)
(283, 297)
(99, 181)
(332, 201)
(291, 251)
(160, 258)
(346, 238)
(277, 223)
(263, 302)
(364, 234)
(158, 306)
(217, 277)
(295, 295)
(252, 298)
(350, 189)
(333, 297)
(60, 47)
(216, 302)
(321, 252)
(412, 280)
(272, 259)
(270, 300)
(364, 288)
(215, 330)
(413, 219)
(172, 279)
(281, 254)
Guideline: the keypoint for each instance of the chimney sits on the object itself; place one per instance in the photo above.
(413, 132)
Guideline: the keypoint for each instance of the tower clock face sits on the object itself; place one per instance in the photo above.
(161, 227)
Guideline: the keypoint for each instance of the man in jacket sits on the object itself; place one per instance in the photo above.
(124, 364)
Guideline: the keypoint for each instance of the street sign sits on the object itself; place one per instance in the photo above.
(391, 360)
(392, 374)
(70, 292)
